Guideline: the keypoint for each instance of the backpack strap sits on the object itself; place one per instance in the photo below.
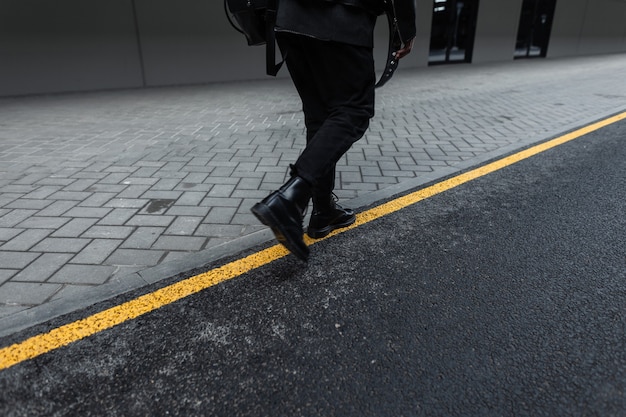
(271, 66)
(395, 43)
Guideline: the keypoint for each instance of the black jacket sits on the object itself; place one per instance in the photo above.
(405, 12)
(331, 20)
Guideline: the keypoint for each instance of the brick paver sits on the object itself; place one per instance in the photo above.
(102, 192)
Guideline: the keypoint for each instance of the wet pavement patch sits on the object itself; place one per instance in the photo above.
(158, 205)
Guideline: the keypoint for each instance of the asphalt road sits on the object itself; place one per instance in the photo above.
(505, 296)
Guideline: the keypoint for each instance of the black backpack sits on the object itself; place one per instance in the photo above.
(256, 20)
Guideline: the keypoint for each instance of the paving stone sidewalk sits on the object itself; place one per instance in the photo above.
(105, 192)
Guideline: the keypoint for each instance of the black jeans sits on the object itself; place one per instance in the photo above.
(335, 82)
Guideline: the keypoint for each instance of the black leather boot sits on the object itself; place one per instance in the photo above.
(283, 211)
(327, 216)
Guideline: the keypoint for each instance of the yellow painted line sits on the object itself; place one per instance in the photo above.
(89, 326)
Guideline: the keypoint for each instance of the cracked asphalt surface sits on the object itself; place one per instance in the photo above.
(504, 296)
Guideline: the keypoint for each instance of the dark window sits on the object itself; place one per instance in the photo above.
(535, 24)
(453, 30)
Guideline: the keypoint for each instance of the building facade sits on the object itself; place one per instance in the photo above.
(83, 45)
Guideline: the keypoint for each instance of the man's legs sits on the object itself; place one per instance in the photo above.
(336, 84)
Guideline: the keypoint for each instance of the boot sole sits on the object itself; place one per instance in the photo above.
(265, 216)
(325, 231)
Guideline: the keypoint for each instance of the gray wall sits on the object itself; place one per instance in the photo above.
(76, 45)
(190, 41)
(67, 45)
(587, 27)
